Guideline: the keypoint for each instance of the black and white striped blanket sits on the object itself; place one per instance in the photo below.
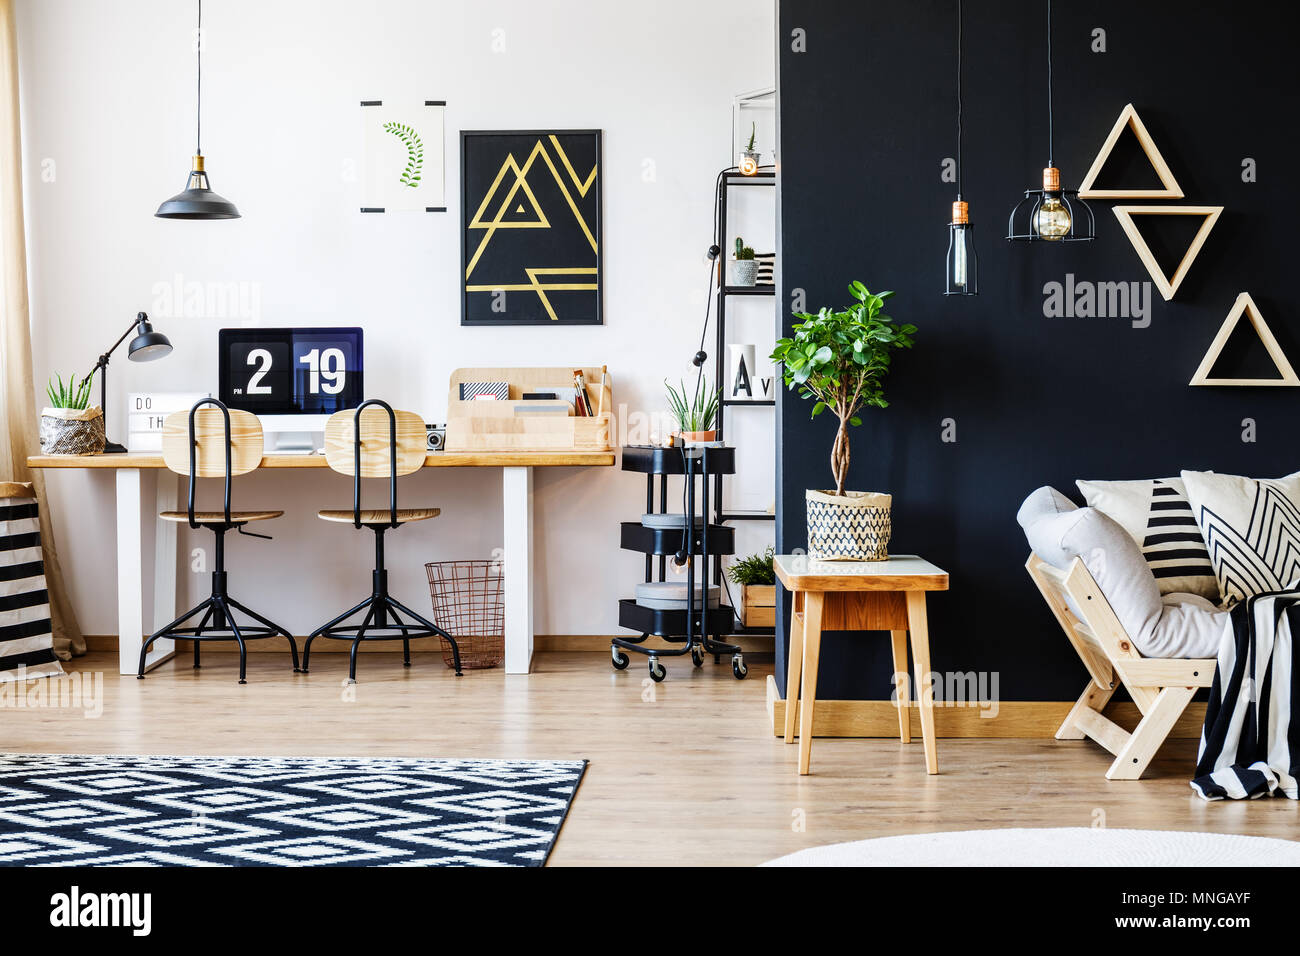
(1250, 746)
(26, 644)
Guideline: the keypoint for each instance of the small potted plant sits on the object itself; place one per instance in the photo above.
(694, 414)
(744, 268)
(68, 426)
(839, 359)
(757, 580)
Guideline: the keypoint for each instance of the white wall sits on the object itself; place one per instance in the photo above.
(108, 108)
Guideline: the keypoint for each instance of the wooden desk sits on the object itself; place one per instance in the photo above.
(859, 596)
(130, 469)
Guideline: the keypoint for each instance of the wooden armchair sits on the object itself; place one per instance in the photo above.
(1161, 688)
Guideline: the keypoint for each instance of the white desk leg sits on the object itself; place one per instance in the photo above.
(130, 576)
(167, 498)
(517, 505)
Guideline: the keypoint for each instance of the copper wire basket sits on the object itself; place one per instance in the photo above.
(469, 604)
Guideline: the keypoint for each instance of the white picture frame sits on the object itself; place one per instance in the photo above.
(403, 156)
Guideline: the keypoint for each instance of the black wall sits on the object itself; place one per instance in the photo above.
(866, 119)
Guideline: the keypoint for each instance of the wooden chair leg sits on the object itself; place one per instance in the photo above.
(793, 668)
(901, 680)
(1093, 698)
(918, 624)
(812, 643)
(1142, 745)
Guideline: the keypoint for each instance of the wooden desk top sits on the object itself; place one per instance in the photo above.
(901, 572)
(436, 459)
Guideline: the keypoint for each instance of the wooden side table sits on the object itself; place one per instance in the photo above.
(858, 596)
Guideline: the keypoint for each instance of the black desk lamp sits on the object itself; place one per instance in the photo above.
(145, 347)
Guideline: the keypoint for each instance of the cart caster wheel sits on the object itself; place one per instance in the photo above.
(738, 667)
(620, 660)
(697, 658)
(657, 672)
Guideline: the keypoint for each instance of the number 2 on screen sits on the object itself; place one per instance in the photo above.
(328, 370)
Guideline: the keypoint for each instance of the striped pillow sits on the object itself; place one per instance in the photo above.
(26, 643)
(1158, 516)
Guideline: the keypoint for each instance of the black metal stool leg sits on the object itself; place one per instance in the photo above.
(361, 633)
(239, 638)
(306, 650)
(455, 651)
(156, 635)
(198, 632)
(293, 645)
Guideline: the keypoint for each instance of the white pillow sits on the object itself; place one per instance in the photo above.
(1158, 516)
(1251, 528)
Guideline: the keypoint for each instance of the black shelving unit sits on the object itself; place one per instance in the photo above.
(699, 629)
(720, 515)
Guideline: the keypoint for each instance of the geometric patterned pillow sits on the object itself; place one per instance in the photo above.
(1158, 516)
(1251, 528)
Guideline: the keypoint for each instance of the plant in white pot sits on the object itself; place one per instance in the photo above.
(839, 359)
(70, 425)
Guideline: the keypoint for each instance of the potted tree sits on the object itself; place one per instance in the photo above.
(694, 414)
(70, 425)
(744, 268)
(839, 360)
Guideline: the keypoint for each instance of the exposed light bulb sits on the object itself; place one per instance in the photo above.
(961, 252)
(1052, 221)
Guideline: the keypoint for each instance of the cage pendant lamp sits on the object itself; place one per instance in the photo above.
(197, 200)
(1051, 214)
(961, 266)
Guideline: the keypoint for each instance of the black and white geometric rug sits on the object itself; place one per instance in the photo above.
(78, 810)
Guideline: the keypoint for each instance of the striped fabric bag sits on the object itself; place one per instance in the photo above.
(26, 642)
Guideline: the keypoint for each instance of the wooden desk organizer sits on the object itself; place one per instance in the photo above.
(495, 426)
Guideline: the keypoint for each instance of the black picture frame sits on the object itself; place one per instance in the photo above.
(564, 243)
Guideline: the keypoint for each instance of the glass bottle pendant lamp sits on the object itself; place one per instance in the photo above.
(961, 268)
(1051, 214)
(197, 200)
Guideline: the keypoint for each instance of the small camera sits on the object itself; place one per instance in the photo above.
(435, 437)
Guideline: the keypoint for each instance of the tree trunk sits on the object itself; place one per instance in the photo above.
(840, 457)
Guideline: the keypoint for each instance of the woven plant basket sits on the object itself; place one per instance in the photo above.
(852, 527)
(71, 431)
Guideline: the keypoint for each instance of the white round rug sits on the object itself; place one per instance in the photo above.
(1066, 846)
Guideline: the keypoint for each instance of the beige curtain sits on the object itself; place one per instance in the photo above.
(18, 412)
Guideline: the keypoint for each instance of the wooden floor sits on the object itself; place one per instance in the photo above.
(687, 774)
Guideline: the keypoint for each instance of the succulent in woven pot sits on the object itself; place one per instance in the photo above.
(838, 359)
(70, 425)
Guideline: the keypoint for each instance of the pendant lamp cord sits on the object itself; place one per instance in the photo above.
(959, 164)
(198, 99)
(1051, 150)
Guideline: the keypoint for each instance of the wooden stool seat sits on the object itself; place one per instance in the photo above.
(219, 517)
(380, 515)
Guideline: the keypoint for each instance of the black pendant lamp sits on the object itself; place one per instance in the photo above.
(1051, 214)
(961, 270)
(197, 200)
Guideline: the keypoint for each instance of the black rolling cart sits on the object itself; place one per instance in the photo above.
(696, 548)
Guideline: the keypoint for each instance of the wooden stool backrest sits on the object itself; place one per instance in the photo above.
(216, 442)
(209, 442)
(376, 462)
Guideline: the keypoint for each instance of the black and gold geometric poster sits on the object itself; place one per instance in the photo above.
(530, 231)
